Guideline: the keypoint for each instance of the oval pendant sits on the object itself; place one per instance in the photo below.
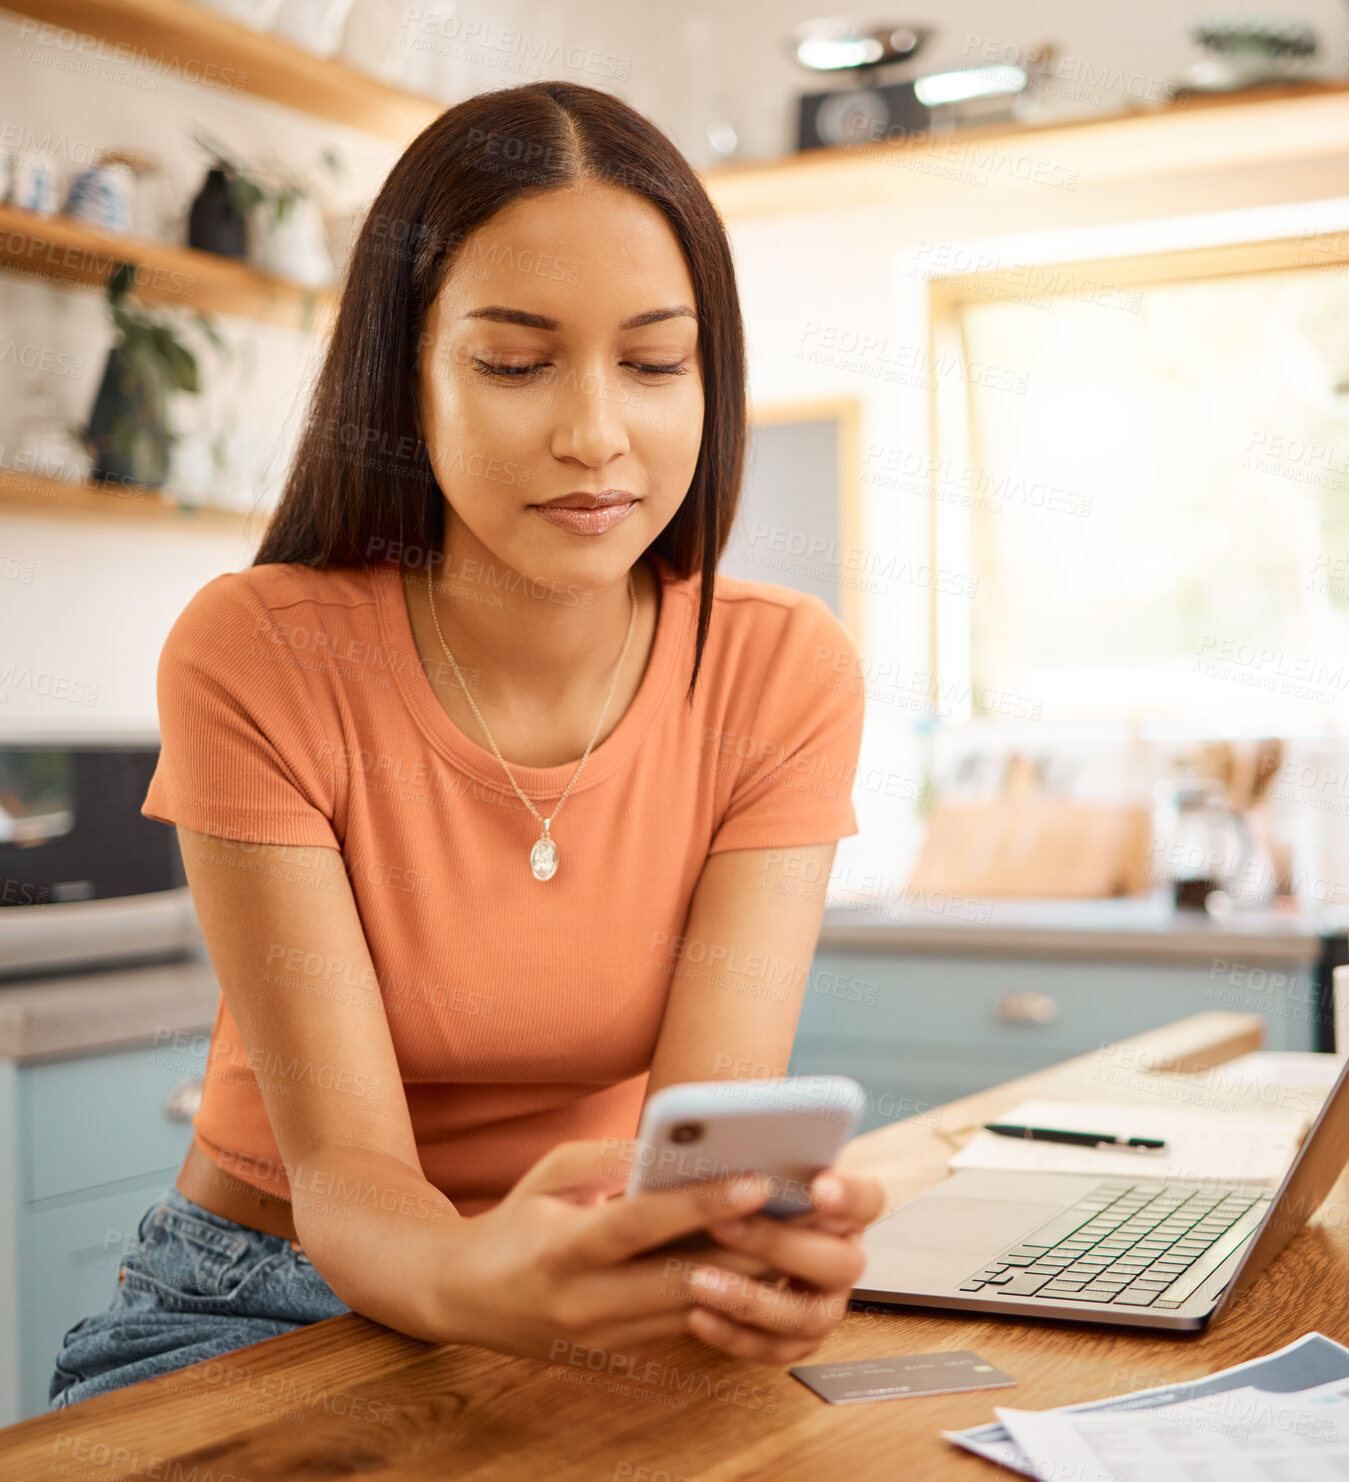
(543, 858)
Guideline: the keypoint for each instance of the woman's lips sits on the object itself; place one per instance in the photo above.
(587, 521)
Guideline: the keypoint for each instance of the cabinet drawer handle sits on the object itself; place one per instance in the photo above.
(1027, 1007)
(182, 1101)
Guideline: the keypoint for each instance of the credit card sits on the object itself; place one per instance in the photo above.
(898, 1378)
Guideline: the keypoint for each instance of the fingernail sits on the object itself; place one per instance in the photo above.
(749, 1188)
(731, 1229)
(827, 1189)
(709, 1278)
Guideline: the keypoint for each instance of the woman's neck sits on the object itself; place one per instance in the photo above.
(537, 661)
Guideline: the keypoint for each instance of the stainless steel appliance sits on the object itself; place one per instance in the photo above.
(86, 880)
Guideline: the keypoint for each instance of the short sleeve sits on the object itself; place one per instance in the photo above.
(242, 752)
(794, 770)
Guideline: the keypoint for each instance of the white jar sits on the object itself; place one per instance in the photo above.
(315, 25)
(36, 184)
(296, 246)
(256, 14)
(375, 38)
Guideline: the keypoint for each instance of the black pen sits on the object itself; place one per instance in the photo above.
(1078, 1139)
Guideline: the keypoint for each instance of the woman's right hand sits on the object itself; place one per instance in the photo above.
(559, 1261)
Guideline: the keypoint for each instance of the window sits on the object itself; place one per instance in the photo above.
(1159, 521)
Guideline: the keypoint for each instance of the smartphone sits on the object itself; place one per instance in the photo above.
(787, 1130)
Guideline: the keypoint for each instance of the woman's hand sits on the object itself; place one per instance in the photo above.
(560, 1262)
(818, 1255)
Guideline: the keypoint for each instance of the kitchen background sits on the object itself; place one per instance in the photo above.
(1047, 310)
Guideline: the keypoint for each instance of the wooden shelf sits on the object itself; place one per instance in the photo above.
(1288, 124)
(68, 253)
(32, 494)
(221, 53)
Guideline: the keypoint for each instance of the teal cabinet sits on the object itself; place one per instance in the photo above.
(919, 1029)
(87, 1143)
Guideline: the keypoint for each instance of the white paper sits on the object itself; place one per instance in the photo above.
(1241, 1435)
(1263, 1068)
(1233, 1147)
(1050, 1448)
(1312, 1360)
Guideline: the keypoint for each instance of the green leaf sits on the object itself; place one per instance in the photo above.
(207, 327)
(182, 367)
(120, 281)
(245, 193)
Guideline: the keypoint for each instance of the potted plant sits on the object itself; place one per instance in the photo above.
(217, 220)
(272, 215)
(127, 435)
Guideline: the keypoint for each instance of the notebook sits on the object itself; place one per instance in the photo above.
(1253, 1147)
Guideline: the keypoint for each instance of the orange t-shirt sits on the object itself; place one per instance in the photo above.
(294, 709)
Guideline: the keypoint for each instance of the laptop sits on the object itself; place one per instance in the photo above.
(1144, 1252)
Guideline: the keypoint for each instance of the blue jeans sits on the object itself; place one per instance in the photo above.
(194, 1286)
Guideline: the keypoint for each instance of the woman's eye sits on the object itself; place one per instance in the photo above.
(518, 372)
(495, 368)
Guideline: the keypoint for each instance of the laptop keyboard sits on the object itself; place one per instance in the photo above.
(1129, 1245)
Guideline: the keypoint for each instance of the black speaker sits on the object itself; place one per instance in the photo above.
(860, 115)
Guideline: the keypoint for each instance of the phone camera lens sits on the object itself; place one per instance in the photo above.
(686, 1132)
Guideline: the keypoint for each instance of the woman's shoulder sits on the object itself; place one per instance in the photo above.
(784, 625)
(278, 585)
(240, 624)
(777, 655)
(745, 611)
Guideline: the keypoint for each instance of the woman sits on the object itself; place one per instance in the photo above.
(451, 972)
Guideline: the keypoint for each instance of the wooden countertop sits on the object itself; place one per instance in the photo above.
(347, 1395)
(86, 1012)
(1127, 929)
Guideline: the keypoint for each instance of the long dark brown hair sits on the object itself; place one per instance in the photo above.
(361, 482)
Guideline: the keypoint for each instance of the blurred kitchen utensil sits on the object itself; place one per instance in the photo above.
(1201, 842)
(1025, 842)
(35, 183)
(101, 196)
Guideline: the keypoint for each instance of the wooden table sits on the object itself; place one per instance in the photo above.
(348, 1396)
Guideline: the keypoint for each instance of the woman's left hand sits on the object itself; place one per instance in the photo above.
(817, 1255)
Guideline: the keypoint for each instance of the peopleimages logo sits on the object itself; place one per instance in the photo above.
(76, 52)
(600, 1361)
(74, 1455)
(49, 686)
(323, 1184)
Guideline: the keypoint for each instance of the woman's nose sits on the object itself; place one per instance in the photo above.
(592, 413)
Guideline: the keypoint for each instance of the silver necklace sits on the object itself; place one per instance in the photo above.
(543, 857)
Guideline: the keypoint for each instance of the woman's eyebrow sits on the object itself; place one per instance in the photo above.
(541, 321)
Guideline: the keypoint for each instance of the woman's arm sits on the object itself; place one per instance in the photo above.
(734, 1002)
(735, 994)
(257, 910)
(555, 1262)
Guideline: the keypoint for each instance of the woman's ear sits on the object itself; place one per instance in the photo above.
(415, 385)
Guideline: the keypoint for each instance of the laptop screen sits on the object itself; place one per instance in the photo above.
(1310, 1177)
